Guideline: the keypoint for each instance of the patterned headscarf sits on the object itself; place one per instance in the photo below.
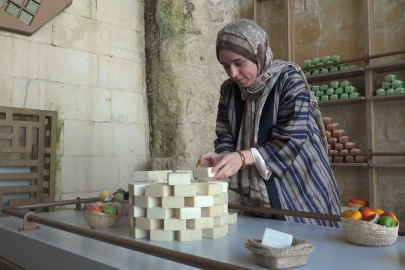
(249, 40)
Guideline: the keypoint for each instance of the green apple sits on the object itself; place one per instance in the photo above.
(120, 190)
(387, 221)
(111, 209)
(118, 197)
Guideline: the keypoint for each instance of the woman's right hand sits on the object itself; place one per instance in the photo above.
(209, 159)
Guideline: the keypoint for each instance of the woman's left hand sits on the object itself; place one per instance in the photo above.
(227, 166)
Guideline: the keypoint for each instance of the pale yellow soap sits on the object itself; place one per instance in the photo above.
(189, 235)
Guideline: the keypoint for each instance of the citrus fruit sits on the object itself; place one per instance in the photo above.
(96, 209)
(105, 196)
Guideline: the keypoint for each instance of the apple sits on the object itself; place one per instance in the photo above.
(371, 218)
(387, 221)
(87, 207)
(120, 190)
(389, 214)
(118, 197)
(111, 209)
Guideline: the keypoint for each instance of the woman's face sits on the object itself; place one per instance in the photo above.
(239, 69)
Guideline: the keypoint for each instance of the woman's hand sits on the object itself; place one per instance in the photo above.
(227, 166)
(209, 159)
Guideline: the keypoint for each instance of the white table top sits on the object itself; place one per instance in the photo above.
(49, 248)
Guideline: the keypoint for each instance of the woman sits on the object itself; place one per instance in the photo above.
(268, 118)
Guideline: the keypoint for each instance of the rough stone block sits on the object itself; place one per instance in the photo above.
(203, 172)
(137, 188)
(184, 191)
(200, 223)
(128, 107)
(200, 201)
(148, 224)
(221, 220)
(178, 178)
(150, 176)
(160, 235)
(232, 218)
(147, 202)
(189, 235)
(215, 232)
(122, 139)
(174, 224)
(205, 188)
(173, 202)
(158, 190)
(82, 138)
(135, 211)
(188, 212)
(159, 213)
(213, 211)
(139, 233)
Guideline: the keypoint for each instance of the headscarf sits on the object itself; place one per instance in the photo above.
(249, 40)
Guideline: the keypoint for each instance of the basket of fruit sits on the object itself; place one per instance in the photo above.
(372, 228)
(102, 215)
(120, 196)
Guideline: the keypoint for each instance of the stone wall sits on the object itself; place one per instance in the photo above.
(88, 65)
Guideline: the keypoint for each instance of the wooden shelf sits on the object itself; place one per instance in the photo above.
(398, 165)
(342, 102)
(387, 97)
(336, 75)
(349, 164)
(388, 67)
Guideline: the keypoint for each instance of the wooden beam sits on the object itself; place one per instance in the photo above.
(290, 33)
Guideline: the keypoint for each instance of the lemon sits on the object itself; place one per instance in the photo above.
(105, 196)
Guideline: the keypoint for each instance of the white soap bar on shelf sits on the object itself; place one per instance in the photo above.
(221, 199)
(137, 188)
(190, 172)
(159, 213)
(178, 178)
(135, 211)
(160, 235)
(174, 224)
(276, 239)
(206, 188)
(232, 218)
(184, 191)
(173, 202)
(151, 176)
(131, 200)
(158, 190)
(146, 202)
(223, 183)
(226, 208)
(203, 172)
(221, 220)
(189, 235)
(200, 201)
(213, 211)
(132, 221)
(188, 212)
(138, 233)
(148, 224)
(215, 232)
(200, 223)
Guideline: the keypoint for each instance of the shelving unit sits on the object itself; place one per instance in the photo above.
(367, 76)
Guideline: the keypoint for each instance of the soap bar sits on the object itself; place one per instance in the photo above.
(333, 151)
(189, 235)
(380, 92)
(329, 147)
(146, 202)
(215, 232)
(329, 67)
(338, 133)
(349, 89)
(316, 72)
(338, 160)
(232, 218)
(203, 172)
(150, 176)
(224, 184)
(200, 201)
(158, 212)
(324, 98)
(360, 159)
(344, 68)
(221, 220)
(344, 96)
(307, 63)
(332, 127)
(307, 74)
(315, 61)
(148, 224)
(344, 139)
(349, 159)
(139, 233)
(319, 93)
(315, 88)
(334, 97)
(276, 239)
(134, 211)
(188, 212)
(390, 91)
(350, 145)
(328, 134)
(397, 84)
(200, 223)
(330, 159)
(324, 87)
(206, 188)
(339, 146)
(212, 211)
(327, 120)
(160, 235)
(336, 58)
(324, 71)
(173, 202)
(325, 59)
(174, 224)
(399, 90)
(390, 78)
(178, 178)
(352, 67)
(339, 91)
(137, 188)
(334, 84)
(355, 150)
(330, 92)
(355, 95)
(334, 69)
(386, 85)
(158, 190)
(345, 83)
(344, 151)
(184, 191)
(332, 142)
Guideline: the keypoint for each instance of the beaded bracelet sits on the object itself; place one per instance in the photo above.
(242, 157)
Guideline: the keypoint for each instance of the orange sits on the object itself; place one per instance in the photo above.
(96, 209)
(367, 213)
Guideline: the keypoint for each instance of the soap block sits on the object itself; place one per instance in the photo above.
(137, 188)
(223, 183)
(174, 224)
(397, 84)
(158, 190)
(380, 92)
(206, 188)
(203, 172)
(132, 221)
(189, 235)
(184, 191)
(226, 208)
(146, 202)
(131, 200)
(232, 218)
(200, 223)
(221, 199)
(386, 85)
(221, 220)
(215, 232)
(190, 172)
(160, 235)
(150, 176)
(213, 211)
(159, 213)
(390, 78)
(139, 233)
(188, 212)
(200, 201)
(178, 178)
(172, 202)
(134, 211)
(276, 239)
(148, 224)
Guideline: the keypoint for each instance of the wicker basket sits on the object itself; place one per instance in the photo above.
(364, 233)
(98, 220)
(280, 258)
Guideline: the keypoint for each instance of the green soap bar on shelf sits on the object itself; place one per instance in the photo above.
(324, 98)
(339, 91)
(344, 96)
(334, 69)
(307, 63)
(319, 93)
(324, 71)
(330, 92)
(352, 67)
(390, 91)
(316, 72)
(317, 98)
(399, 90)
(331, 66)
(386, 85)
(345, 83)
(324, 87)
(336, 58)
(334, 84)
(325, 59)
(391, 78)
(343, 68)
(397, 84)
(355, 95)
(334, 97)
(319, 64)
(315, 88)
(311, 70)
(341, 65)
(349, 89)
(307, 74)
(316, 61)
(380, 92)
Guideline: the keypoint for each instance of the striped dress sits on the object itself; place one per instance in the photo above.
(289, 142)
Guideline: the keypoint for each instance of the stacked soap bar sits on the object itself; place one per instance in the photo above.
(316, 62)
(179, 208)
(335, 90)
(339, 142)
(391, 85)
